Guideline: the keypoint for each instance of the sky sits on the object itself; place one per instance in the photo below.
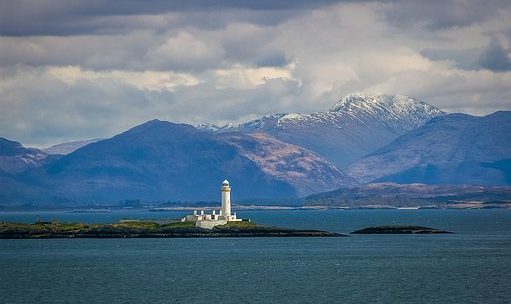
(74, 70)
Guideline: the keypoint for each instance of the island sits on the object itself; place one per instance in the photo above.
(149, 229)
(399, 229)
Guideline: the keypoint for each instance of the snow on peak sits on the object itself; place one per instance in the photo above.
(396, 104)
(232, 125)
(369, 101)
(291, 116)
(397, 111)
(207, 127)
(393, 109)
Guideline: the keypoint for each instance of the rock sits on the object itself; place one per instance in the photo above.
(399, 229)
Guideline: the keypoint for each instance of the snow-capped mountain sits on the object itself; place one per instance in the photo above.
(354, 127)
(396, 111)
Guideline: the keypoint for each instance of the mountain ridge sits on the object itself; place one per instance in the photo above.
(68, 147)
(390, 194)
(164, 161)
(455, 148)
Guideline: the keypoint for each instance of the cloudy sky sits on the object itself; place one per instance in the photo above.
(85, 69)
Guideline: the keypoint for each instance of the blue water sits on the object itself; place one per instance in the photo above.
(473, 265)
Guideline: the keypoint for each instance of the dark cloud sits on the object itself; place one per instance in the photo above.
(177, 49)
(275, 58)
(67, 17)
(495, 57)
(440, 14)
(467, 59)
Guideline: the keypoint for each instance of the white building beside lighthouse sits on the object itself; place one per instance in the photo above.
(223, 216)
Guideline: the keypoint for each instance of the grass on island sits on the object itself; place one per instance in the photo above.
(44, 228)
(135, 226)
(143, 229)
(241, 224)
(152, 225)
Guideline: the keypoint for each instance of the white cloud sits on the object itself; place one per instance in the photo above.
(184, 51)
(241, 77)
(146, 80)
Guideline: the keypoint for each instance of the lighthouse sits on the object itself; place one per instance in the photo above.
(208, 221)
(226, 199)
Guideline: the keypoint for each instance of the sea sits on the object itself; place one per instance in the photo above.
(472, 265)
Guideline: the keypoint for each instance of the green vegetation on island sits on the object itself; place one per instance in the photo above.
(147, 229)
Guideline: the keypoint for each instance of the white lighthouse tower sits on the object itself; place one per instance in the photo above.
(226, 199)
(208, 221)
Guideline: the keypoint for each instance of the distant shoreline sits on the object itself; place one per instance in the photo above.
(105, 209)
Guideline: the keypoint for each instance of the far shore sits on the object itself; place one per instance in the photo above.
(105, 209)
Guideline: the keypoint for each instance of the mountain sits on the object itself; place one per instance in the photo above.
(451, 149)
(409, 195)
(68, 147)
(163, 161)
(14, 158)
(356, 126)
(303, 169)
(15, 162)
(157, 161)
